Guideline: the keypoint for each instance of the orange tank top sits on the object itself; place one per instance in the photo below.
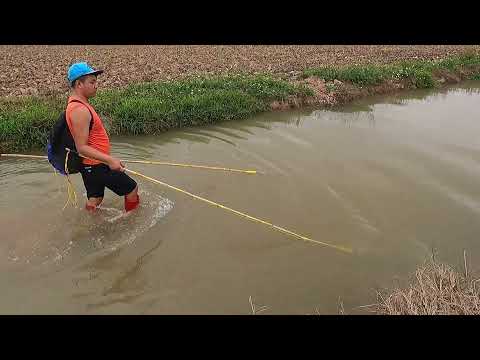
(98, 137)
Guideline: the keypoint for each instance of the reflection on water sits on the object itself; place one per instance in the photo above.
(347, 118)
(209, 135)
(393, 177)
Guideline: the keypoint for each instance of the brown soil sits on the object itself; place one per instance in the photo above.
(41, 70)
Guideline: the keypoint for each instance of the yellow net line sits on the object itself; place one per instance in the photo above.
(301, 237)
(150, 163)
(72, 197)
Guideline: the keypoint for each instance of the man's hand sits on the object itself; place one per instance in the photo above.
(116, 165)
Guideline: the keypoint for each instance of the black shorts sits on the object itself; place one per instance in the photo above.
(97, 177)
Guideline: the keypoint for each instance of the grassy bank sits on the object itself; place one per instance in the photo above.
(421, 74)
(149, 108)
(154, 107)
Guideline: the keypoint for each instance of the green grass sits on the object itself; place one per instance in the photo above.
(149, 108)
(25, 124)
(420, 72)
(364, 75)
(360, 75)
(156, 107)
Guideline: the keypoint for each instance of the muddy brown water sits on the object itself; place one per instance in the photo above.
(393, 177)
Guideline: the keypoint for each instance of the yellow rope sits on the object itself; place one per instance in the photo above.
(25, 156)
(151, 163)
(56, 180)
(341, 248)
(70, 188)
(188, 165)
(71, 194)
(278, 228)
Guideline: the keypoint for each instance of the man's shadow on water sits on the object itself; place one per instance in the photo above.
(105, 287)
(106, 276)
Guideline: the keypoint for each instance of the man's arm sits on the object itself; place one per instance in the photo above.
(81, 128)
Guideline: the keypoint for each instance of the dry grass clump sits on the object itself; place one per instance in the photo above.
(437, 289)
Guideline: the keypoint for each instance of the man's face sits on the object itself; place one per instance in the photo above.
(88, 86)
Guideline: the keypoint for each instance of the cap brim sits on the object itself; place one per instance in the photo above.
(95, 72)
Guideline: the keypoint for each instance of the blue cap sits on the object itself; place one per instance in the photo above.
(80, 69)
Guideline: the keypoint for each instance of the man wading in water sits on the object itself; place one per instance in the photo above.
(93, 142)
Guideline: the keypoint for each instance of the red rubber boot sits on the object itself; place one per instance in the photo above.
(131, 205)
(90, 208)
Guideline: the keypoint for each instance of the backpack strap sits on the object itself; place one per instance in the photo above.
(91, 115)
